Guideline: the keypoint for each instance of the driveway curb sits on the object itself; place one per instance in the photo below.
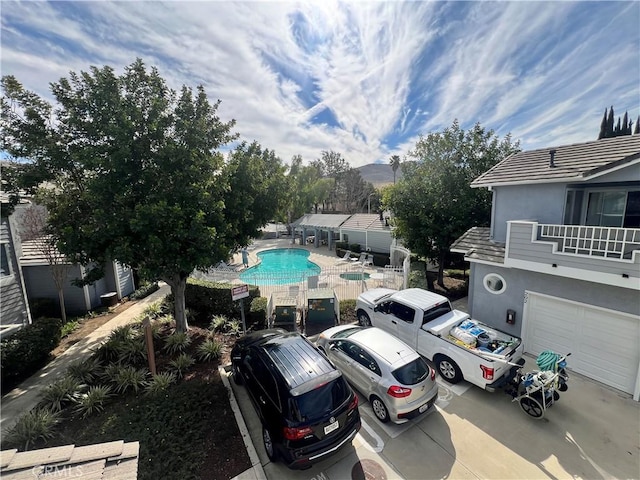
(256, 471)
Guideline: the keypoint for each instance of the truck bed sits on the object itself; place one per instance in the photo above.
(458, 328)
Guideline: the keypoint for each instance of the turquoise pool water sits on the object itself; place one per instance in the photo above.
(281, 266)
(355, 276)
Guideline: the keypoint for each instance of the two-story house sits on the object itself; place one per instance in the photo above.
(560, 263)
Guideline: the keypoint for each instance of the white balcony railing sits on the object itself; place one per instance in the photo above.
(606, 242)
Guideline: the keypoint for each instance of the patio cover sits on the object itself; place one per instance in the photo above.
(321, 221)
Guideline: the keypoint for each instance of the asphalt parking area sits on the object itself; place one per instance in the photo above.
(592, 432)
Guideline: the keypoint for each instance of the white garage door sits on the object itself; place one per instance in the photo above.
(604, 344)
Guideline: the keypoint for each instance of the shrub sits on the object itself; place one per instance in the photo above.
(60, 393)
(110, 372)
(93, 401)
(133, 351)
(126, 377)
(44, 308)
(123, 333)
(204, 297)
(347, 311)
(257, 313)
(177, 342)
(69, 327)
(159, 382)
(209, 350)
(218, 323)
(235, 328)
(342, 246)
(85, 371)
(154, 310)
(181, 364)
(37, 424)
(144, 290)
(355, 247)
(24, 352)
(109, 350)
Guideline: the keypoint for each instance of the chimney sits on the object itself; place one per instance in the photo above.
(552, 154)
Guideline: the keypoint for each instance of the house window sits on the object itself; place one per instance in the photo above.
(614, 209)
(632, 212)
(494, 283)
(5, 270)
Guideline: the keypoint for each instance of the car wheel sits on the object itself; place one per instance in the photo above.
(269, 447)
(363, 319)
(448, 369)
(237, 379)
(379, 409)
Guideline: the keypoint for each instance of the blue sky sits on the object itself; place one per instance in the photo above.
(361, 78)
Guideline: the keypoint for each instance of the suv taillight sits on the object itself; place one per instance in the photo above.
(398, 392)
(487, 372)
(433, 373)
(296, 433)
(354, 403)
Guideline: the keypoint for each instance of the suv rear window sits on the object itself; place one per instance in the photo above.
(317, 403)
(412, 373)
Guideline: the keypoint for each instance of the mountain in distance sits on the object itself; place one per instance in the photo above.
(379, 174)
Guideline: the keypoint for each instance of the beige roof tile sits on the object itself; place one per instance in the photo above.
(40, 457)
(94, 452)
(6, 456)
(121, 470)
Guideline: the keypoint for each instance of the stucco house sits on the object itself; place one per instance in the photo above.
(560, 263)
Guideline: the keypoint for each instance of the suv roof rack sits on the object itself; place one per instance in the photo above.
(297, 360)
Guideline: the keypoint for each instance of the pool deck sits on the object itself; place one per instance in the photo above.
(329, 263)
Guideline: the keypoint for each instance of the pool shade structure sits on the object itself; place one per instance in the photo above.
(282, 311)
(322, 312)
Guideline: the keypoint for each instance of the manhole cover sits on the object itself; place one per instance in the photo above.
(368, 470)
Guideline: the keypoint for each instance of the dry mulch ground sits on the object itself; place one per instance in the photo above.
(88, 325)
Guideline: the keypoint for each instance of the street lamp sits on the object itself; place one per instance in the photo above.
(369, 202)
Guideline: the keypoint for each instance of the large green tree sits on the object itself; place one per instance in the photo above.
(134, 172)
(433, 203)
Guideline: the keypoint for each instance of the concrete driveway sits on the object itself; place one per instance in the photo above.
(593, 432)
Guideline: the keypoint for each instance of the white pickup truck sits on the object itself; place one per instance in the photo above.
(461, 348)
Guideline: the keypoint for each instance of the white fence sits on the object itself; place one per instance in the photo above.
(347, 281)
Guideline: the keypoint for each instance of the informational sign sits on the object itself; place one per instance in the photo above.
(239, 292)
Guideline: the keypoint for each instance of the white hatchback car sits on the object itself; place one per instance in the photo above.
(396, 380)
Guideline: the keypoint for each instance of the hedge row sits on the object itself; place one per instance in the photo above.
(205, 299)
(24, 352)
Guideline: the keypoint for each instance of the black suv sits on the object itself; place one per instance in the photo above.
(307, 409)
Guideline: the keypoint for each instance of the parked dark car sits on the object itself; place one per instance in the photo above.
(307, 409)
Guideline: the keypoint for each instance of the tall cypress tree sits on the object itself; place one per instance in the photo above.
(603, 126)
(637, 130)
(625, 125)
(617, 131)
(610, 120)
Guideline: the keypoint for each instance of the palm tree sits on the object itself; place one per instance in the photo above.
(394, 161)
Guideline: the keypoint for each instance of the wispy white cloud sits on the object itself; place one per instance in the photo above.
(360, 78)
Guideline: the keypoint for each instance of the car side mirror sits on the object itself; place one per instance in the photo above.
(332, 346)
(376, 308)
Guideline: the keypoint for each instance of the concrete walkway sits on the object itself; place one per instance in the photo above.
(27, 395)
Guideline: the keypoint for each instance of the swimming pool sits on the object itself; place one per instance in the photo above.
(281, 266)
